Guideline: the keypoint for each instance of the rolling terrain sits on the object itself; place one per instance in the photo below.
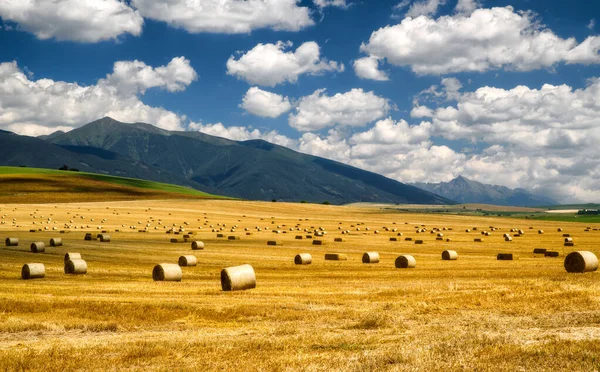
(34, 185)
(475, 313)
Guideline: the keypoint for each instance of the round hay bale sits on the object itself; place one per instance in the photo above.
(72, 256)
(38, 247)
(318, 242)
(339, 240)
(233, 237)
(197, 245)
(551, 254)
(478, 240)
(167, 273)
(76, 267)
(540, 231)
(539, 250)
(303, 259)
(581, 262)
(418, 242)
(300, 237)
(104, 238)
(238, 278)
(335, 257)
(392, 239)
(370, 258)
(188, 260)
(274, 242)
(559, 229)
(504, 257)
(406, 261)
(33, 271)
(449, 255)
(12, 242)
(56, 242)
(568, 240)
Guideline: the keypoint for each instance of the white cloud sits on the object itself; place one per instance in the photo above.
(423, 7)
(266, 104)
(335, 3)
(76, 20)
(227, 16)
(354, 108)
(135, 76)
(42, 106)
(592, 24)
(238, 133)
(368, 68)
(466, 7)
(270, 64)
(486, 39)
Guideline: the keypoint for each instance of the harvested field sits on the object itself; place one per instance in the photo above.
(475, 313)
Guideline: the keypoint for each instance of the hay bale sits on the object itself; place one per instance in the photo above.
(559, 229)
(38, 247)
(188, 260)
(551, 254)
(540, 231)
(408, 239)
(569, 244)
(318, 242)
(439, 238)
(504, 256)
(303, 259)
(33, 271)
(581, 262)
(233, 237)
(405, 261)
(335, 257)
(568, 240)
(72, 256)
(449, 255)
(478, 240)
(274, 242)
(56, 242)
(197, 245)
(12, 242)
(309, 236)
(392, 239)
(339, 240)
(539, 250)
(220, 235)
(418, 242)
(566, 235)
(174, 240)
(238, 278)
(370, 258)
(448, 240)
(167, 273)
(76, 267)
(104, 238)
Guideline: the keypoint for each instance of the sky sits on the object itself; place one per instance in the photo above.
(502, 92)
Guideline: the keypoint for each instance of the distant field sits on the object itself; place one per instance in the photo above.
(475, 313)
(35, 185)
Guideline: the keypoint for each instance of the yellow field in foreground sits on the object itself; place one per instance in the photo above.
(475, 313)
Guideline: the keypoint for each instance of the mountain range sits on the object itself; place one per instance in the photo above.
(255, 169)
(464, 190)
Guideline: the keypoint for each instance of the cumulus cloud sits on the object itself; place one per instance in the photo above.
(270, 64)
(75, 20)
(368, 68)
(135, 76)
(238, 133)
(466, 6)
(422, 7)
(266, 104)
(227, 16)
(483, 40)
(36, 107)
(354, 108)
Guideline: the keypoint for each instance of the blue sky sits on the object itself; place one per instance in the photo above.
(444, 109)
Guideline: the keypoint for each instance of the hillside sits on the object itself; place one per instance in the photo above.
(464, 190)
(255, 170)
(35, 185)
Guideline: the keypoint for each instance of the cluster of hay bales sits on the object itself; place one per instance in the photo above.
(569, 242)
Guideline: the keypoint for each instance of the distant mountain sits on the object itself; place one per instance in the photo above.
(464, 190)
(255, 169)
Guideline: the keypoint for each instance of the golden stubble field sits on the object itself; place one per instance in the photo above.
(475, 313)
